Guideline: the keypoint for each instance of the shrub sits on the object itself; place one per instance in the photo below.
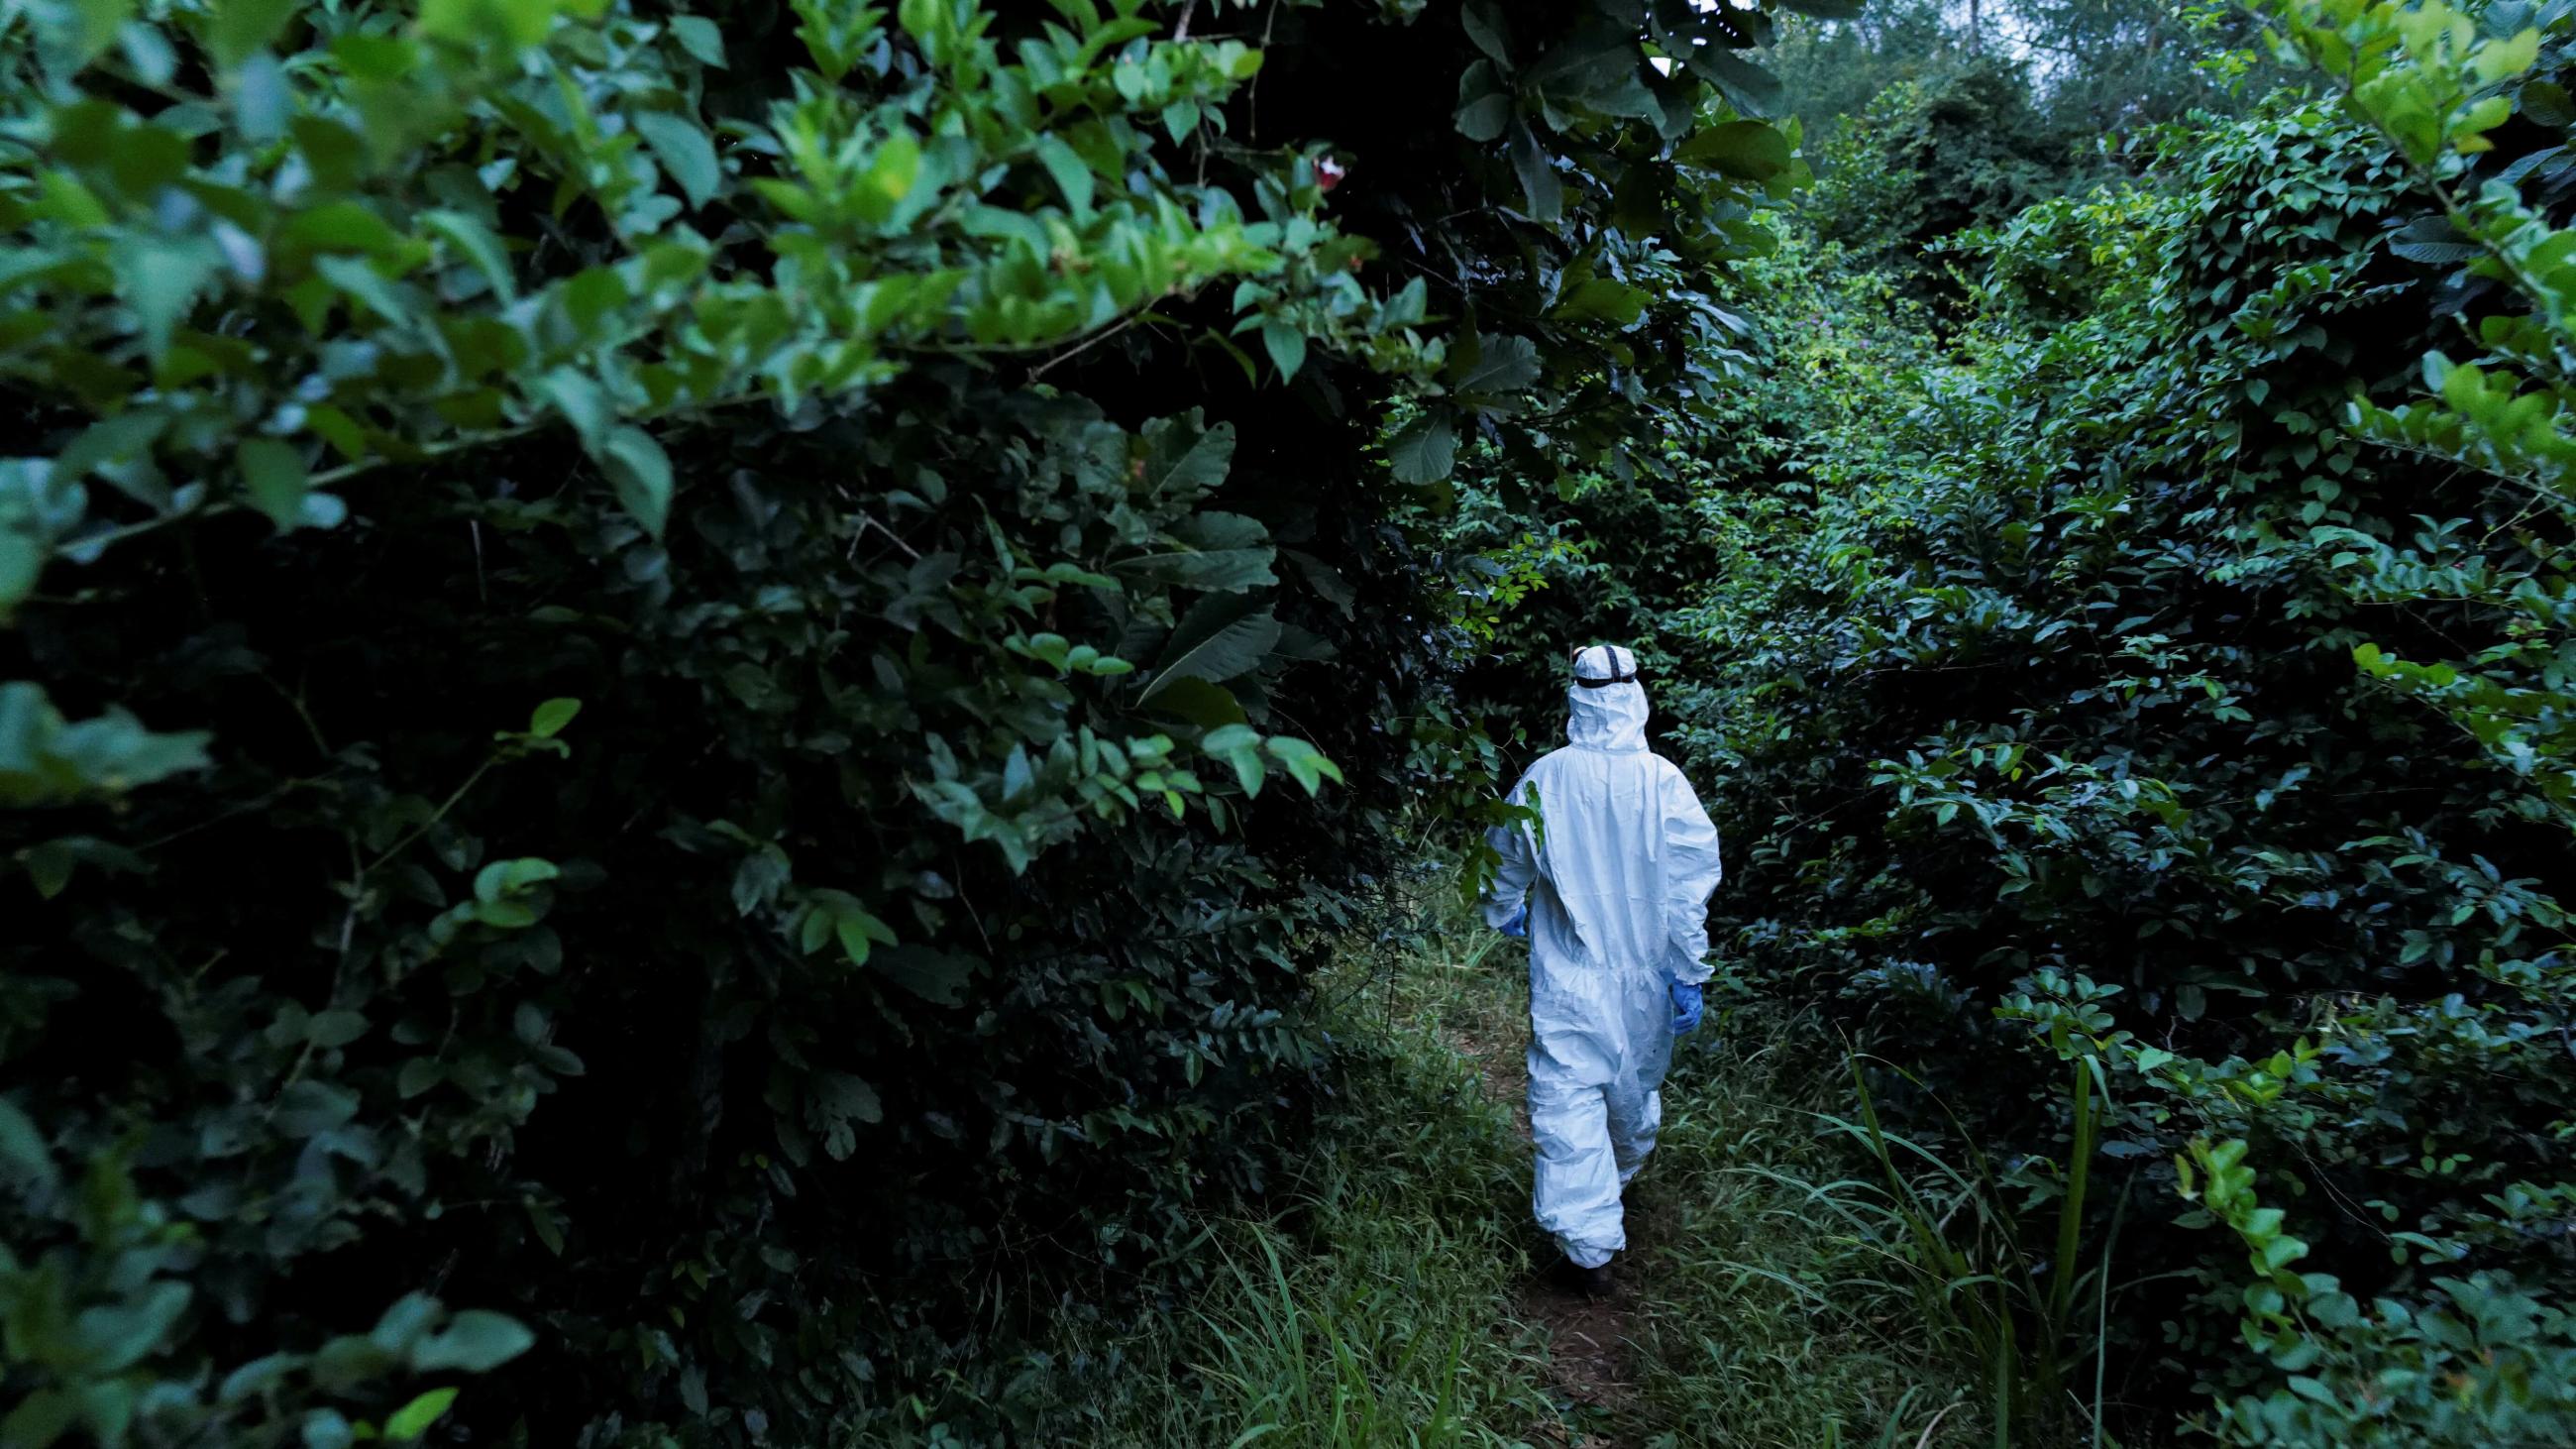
(2077, 773)
(2138, 724)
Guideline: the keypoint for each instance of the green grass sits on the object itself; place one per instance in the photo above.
(1377, 1308)
(1778, 1309)
(1774, 1302)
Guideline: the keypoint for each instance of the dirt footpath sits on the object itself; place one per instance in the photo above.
(1590, 1365)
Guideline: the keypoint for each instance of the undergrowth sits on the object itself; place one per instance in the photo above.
(1388, 1302)
(1378, 1307)
(1770, 1314)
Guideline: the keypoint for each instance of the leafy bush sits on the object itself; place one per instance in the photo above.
(2139, 728)
(2078, 767)
(1963, 146)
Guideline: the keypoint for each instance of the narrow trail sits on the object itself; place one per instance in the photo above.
(1743, 1316)
(1591, 1364)
(1753, 1309)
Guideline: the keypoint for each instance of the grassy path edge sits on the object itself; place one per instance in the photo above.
(1397, 1299)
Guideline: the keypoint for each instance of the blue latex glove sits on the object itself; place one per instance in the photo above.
(1518, 926)
(1686, 1006)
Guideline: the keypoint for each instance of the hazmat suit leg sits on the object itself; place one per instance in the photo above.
(1635, 1095)
(1593, 1100)
(1632, 1134)
(1600, 1045)
(1575, 1191)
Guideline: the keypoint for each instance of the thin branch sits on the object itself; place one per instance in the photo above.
(1252, 97)
(246, 807)
(1086, 344)
(866, 522)
(102, 541)
(464, 443)
(425, 826)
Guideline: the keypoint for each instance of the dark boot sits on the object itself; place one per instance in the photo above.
(1590, 1282)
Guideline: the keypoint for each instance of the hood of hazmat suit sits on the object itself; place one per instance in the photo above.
(1616, 873)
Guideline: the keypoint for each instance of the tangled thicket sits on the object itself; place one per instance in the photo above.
(683, 695)
(2142, 711)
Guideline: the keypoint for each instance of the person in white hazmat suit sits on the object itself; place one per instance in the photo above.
(1610, 885)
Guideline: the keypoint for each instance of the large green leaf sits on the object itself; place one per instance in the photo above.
(413, 1419)
(582, 401)
(1217, 528)
(1485, 26)
(358, 280)
(1184, 457)
(1209, 706)
(1484, 118)
(1216, 641)
(40, 1419)
(47, 760)
(470, 236)
(1753, 90)
(1227, 552)
(1304, 762)
(1751, 150)
(837, 1104)
(512, 23)
(832, 915)
(1240, 747)
(160, 278)
(1072, 175)
(1497, 365)
(641, 472)
(1614, 302)
(2547, 103)
(111, 1338)
(1286, 346)
(2439, 253)
(1600, 67)
(1423, 450)
(475, 1341)
(22, 562)
(241, 27)
(700, 37)
(1222, 570)
(275, 477)
(24, 1156)
(1542, 194)
(938, 977)
(682, 147)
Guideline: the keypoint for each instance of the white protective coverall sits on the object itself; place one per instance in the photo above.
(1616, 876)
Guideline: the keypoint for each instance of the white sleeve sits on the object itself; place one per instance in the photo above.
(1517, 845)
(1691, 873)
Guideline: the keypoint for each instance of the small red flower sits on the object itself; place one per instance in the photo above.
(1329, 172)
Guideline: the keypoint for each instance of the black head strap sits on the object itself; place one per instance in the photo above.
(1615, 678)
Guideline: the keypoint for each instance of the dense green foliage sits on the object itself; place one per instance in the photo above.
(2142, 722)
(1925, 120)
(2096, 73)
(1927, 159)
(689, 680)
(1389, 1295)
(687, 699)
